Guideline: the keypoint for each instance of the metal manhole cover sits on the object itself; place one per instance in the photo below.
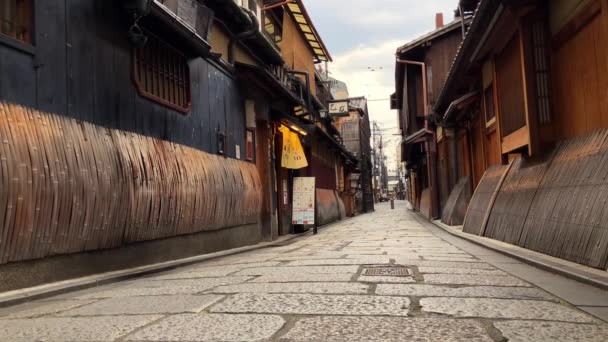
(387, 271)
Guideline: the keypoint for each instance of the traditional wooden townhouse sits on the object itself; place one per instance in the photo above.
(530, 86)
(139, 131)
(322, 154)
(429, 150)
(354, 127)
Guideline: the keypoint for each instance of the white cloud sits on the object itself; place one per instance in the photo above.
(363, 36)
(352, 68)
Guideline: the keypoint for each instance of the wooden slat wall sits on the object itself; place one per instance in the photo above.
(478, 207)
(580, 80)
(69, 186)
(555, 205)
(478, 157)
(512, 204)
(569, 216)
(510, 88)
(443, 172)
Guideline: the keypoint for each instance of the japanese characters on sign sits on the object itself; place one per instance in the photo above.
(303, 200)
(338, 108)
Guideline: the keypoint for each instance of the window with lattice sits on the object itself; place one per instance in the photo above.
(16, 19)
(161, 74)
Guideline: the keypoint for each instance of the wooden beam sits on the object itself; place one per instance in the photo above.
(528, 78)
(515, 140)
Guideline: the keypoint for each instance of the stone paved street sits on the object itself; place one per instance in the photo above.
(340, 285)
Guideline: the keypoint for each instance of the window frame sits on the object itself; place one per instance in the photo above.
(28, 45)
(158, 73)
(491, 121)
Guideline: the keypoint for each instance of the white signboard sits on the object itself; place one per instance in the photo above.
(303, 200)
(338, 108)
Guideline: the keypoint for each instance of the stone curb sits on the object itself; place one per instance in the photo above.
(43, 291)
(528, 257)
(48, 290)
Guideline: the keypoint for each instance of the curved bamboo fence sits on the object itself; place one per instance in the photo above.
(68, 186)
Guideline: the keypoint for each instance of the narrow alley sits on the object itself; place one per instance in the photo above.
(384, 276)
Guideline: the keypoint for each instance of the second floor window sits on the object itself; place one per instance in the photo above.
(273, 27)
(161, 74)
(16, 19)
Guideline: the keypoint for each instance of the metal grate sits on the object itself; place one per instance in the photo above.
(387, 271)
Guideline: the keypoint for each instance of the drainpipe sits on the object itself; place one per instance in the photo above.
(307, 78)
(253, 29)
(269, 7)
(461, 20)
(429, 146)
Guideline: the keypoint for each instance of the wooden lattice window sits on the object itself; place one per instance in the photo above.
(161, 74)
(16, 19)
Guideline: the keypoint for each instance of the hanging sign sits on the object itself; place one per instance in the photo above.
(303, 200)
(293, 156)
(338, 108)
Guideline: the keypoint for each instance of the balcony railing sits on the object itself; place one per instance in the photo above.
(191, 13)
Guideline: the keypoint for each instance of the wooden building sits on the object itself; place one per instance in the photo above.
(428, 149)
(354, 127)
(127, 122)
(537, 76)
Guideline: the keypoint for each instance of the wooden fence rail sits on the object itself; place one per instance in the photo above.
(68, 186)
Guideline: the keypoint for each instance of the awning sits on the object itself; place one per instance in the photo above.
(409, 142)
(266, 81)
(416, 137)
(459, 104)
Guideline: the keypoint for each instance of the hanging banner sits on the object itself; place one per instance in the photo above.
(293, 156)
(303, 200)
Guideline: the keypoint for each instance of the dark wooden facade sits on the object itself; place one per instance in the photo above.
(427, 152)
(541, 73)
(107, 166)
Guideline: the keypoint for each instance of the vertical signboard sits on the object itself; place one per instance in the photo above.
(303, 200)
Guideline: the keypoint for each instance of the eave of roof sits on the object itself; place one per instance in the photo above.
(477, 28)
(457, 23)
(308, 30)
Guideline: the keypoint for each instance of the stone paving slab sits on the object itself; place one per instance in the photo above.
(295, 270)
(472, 279)
(211, 327)
(309, 304)
(429, 263)
(162, 287)
(385, 279)
(504, 308)
(209, 271)
(61, 329)
(145, 305)
(524, 331)
(420, 290)
(366, 261)
(460, 270)
(328, 288)
(42, 308)
(303, 277)
(337, 255)
(449, 258)
(365, 329)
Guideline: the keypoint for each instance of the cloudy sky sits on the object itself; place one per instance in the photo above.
(362, 35)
